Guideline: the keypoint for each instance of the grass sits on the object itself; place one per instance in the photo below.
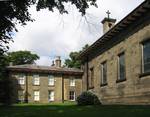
(71, 110)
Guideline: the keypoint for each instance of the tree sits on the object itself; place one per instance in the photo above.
(16, 11)
(73, 61)
(4, 82)
(22, 57)
(18, 58)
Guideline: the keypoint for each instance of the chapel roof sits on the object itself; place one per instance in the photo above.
(119, 27)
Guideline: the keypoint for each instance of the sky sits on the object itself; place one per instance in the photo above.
(53, 34)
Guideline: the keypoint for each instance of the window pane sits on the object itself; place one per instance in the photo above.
(51, 80)
(72, 95)
(146, 56)
(36, 95)
(21, 95)
(122, 66)
(72, 82)
(36, 80)
(21, 79)
(51, 95)
(104, 73)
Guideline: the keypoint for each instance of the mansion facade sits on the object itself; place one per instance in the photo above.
(44, 84)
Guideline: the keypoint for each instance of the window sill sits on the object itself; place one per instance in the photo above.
(72, 86)
(51, 85)
(50, 101)
(105, 84)
(36, 101)
(35, 85)
(120, 80)
(72, 100)
(21, 84)
(91, 87)
(144, 74)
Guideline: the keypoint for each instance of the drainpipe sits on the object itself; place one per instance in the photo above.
(87, 75)
(26, 89)
(62, 89)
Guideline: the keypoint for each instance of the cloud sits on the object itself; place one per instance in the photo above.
(52, 34)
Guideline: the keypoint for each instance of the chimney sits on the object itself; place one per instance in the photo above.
(58, 61)
(53, 64)
(10, 63)
(108, 23)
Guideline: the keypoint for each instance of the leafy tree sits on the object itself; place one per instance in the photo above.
(18, 58)
(22, 57)
(4, 82)
(16, 11)
(73, 61)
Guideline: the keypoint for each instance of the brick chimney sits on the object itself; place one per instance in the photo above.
(58, 61)
(108, 23)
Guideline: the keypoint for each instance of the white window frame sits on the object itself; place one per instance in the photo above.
(21, 79)
(36, 79)
(36, 95)
(72, 82)
(51, 80)
(74, 96)
(51, 95)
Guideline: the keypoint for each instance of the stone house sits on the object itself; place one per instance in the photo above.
(117, 66)
(44, 84)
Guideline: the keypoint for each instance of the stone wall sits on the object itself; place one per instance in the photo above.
(61, 87)
(136, 89)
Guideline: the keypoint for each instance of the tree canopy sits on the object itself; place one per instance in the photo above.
(22, 57)
(73, 61)
(16, 11)
(18, 58)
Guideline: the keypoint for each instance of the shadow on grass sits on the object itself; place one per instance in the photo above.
(60, 110)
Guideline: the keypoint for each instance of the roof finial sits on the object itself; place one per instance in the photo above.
(108, 13)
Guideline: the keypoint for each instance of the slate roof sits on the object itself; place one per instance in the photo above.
(134, 16)
(45, 69)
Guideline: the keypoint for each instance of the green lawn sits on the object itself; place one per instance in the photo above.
(71, 110)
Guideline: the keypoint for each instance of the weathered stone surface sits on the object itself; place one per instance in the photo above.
(61, 87)
(136, 89)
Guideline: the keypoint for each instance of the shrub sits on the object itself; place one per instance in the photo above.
(87, 98)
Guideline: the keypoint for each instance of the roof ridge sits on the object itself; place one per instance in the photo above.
(120, 25)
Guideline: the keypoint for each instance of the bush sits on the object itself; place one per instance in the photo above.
(88, 98)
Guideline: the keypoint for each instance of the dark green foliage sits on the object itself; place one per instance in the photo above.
(73, 61)
(16, 11)
(18, 58)
(87, 98)
(81, 5)
(22, 57)
(5, 84)
(11, 13)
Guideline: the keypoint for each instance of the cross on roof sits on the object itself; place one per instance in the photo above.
(108, 13)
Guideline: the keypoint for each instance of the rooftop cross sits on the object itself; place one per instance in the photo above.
(108, 13)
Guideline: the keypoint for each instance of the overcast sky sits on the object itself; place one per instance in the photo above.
(52, 34)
